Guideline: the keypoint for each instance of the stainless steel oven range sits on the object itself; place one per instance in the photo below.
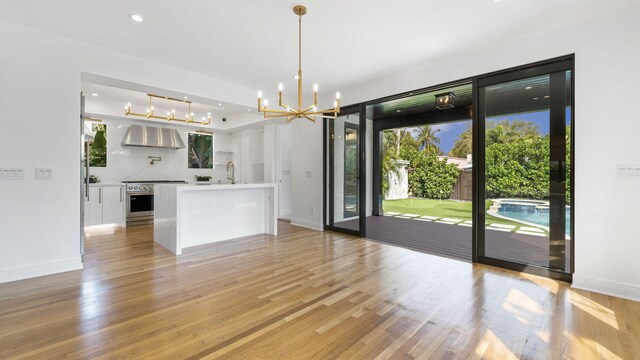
(140, 200)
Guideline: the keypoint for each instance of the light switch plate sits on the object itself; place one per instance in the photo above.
(628, 172)
(44, 174)
(12, 174)
(308, 174)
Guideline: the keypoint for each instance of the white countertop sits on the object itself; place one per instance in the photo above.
(105, 184)
(214, 186)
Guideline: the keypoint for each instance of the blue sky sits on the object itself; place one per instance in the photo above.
(449, 132)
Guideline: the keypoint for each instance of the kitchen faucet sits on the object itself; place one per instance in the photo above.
(231, 172)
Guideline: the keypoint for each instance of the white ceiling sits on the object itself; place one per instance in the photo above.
(254, 42)
(110, 97)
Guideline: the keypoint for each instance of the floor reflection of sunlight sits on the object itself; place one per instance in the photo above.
(548, 284)
(594, 309)
(492, 344)
(543, 335)
(585, 348)
(521, 306)
(101, 231)
(91, 301)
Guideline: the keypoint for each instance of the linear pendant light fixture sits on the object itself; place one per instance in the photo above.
(309, 113)
(171, 115)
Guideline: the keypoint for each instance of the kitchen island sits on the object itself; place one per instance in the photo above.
(189, 215)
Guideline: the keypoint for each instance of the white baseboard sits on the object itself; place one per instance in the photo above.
(307, 224)
(625, 291)
(40, 270)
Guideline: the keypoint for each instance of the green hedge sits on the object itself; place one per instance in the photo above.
(518, 169)
(432, 178)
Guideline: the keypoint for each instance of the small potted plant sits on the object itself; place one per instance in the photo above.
(203, 178)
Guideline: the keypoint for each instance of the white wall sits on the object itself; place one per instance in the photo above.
(306, 165)
(607, 53)
(283, 176)
(40, 83)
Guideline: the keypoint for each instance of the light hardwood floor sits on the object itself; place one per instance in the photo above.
(302, 295)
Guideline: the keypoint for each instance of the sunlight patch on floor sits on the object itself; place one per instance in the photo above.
(521, 306)
(594, 309)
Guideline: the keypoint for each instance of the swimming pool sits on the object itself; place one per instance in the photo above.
(532, 211)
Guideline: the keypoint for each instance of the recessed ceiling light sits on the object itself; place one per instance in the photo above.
(546, 97)
(136, 17)
(535, 98)
(185, 97)
(219, 104)
(248, 109)
(94, 94)
(528, 88)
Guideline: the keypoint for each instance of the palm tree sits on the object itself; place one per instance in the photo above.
(393, 138)
(497, 135)
(427, 139)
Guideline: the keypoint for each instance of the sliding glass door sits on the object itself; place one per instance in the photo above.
(343, 172)
(525, 142)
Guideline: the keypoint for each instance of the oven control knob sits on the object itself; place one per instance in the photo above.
(135, 188)
(144, 188)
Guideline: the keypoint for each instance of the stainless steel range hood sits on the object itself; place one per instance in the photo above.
(148, 136)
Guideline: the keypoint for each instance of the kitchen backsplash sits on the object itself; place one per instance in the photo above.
(133, 163)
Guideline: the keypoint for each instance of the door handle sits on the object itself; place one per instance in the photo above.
(86, 172)
(99, 195)
(120, 193)
(557, 170)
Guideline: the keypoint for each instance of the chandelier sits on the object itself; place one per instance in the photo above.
(310, 112)
(171, 115)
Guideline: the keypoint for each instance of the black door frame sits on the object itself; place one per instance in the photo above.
(563, 62)
(328, 178)
(552, 68)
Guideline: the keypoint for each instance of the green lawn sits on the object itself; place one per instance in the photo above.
(440, 208)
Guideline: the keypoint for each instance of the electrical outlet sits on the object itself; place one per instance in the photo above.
(308, 174)
(11, 174)
(44, 174)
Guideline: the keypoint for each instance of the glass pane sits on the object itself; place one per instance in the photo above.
(517, 173)
(343, 168)
(351, 171)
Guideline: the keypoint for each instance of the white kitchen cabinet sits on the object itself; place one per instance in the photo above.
(93, 207)
(105, 206)
(113, 205)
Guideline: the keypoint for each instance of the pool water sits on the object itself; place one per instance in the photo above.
(529, 212)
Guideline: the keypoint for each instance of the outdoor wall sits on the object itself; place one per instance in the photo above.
(40, 127)
(398, 181)
(607, 53)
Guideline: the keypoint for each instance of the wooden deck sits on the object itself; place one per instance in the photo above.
(454, 241)
(302, 295)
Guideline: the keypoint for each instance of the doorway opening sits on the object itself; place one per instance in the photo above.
(422, 172)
